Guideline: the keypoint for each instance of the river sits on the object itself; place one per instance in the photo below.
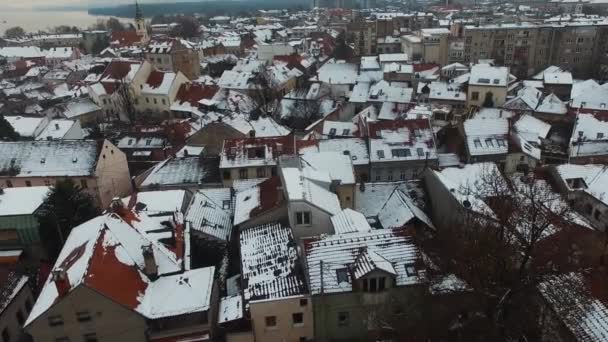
(34, 20)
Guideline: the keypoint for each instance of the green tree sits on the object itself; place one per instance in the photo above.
(7, 132)
(14, 32)
(66, 206)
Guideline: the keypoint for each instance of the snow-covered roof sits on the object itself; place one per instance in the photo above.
(551, 104)
(595, 179)
(393, 57)
(350, 221)
(99, 249)
(230, 309)
(269, 260)
(558, 78)
(339, 128)
(527, 98)
(486, 136)
(575, 303)
(402, 141)
(59, 52)
(579, 88)
(22, 201)
(77, 107)
(310, 186)
(332, 260)
(49, 158)
(589, 136)
(355, 147)
(210, 215)
(381, 91)
(12, 284)
(399, 210)
(177, 171)
(530, 124)
(594, 99)
(158, 202)
(486, 75)
(57, 129)
(446, 91)
(338, 165)
(338, 73)
(254, 152)
(370, 63)
(26, 127)
(21, 52)
(159, 83)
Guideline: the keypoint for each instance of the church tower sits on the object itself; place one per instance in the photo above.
(140, 23)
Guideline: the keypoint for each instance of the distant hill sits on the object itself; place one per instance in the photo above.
(212, 7)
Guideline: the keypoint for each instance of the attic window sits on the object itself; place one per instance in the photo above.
(501, 142)
(410, 270)
(401, 152)
(42, 160)
(602, 105)
(576, 183)
(148, 142)
(346, 132)
(75, 159)
(420, 152)
(130, 142)
(380, 154)
(496, 81)
(226, 204)
(342, 275)
(489, 143)
(332, 132)
(600, 135)
(477, 143)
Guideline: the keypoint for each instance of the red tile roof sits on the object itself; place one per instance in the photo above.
(125, 38)
(155, 79)
(193, 92)
(376, 127)
(278, 145)
(270, 196)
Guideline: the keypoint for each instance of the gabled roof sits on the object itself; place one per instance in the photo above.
(124, 38)
(332, 257)
(269, 261)
(112, 244)
(368, 261)
(486, 136)
(49, 158)
(241, 152)
(593, 135)
(258, 199)
(209, 217)
(350, 221)
(310, 186)
(176, 171)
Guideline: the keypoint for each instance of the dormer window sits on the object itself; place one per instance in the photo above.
(410, 270)
(342, 275)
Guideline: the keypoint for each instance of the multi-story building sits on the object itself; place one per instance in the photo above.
(174, 55)
(365, 37)
(527, 48)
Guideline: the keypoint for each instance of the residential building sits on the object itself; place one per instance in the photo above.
(352, 276)
(365, 37)
(186, 172)
(55, 56)
(260, 204)
(99, 167)
(273, 285)
(174, 55)
(487, 86)
(589, 141)
(400, 150)
(246, 158)
(16, 304)
(486, 140)
(154, 300)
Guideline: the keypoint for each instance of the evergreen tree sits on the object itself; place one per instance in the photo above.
(66, 206)
(7, 132)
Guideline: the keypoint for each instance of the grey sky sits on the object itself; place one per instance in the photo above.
(28, 4)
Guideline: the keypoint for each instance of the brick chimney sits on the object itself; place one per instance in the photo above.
(60, 277)
(150, 266)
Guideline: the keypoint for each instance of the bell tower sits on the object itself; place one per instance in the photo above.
(140, 23)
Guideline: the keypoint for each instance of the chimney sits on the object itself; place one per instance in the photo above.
(362, 186)
(116, 204)
(150, 266)
(252, 133)
(56, 126)
(185, 152)
(60, 277)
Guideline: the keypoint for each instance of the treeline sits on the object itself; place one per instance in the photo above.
(210, 8)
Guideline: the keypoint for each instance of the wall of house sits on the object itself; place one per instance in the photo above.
(19, 182)
(109, 321)
(268, 51)
(245, 336)
(444, 207)
(75, 132)
(160, 61)
(320, 220)
(113, 178)
(212, 137)
(283, 309)
(22, 303)
(276, 215)
(329, 307)
(592, 209)
(252, 173)
(400, 170)
(346, 194)
(515, 159)
(499, 95)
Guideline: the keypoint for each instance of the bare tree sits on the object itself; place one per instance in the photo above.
(492, 250)
(265, 92)
(125, 100)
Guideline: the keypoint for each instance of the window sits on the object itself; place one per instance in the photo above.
(343, 318)
(346, 132)
(475, 96)
(372, 285)
(83, 316)
(155, 101)
(332, 132)
(271, 321)
(600, 135)
(596, 214)
(9, 184)
(83, 183)
(243, 173)
(381, 283)
(55, 320)
(410, 269)
(477, 143)
(420, 151)
(402, 175)
(47, 182)
(378, 177)
(380, 154)
(389, 177)
(20, 318)
(226, 204)
(226, 175)
(501, 143)
(147, 100)
(164, 101)
(261, 172)
(297, 319)
(28, 183)
(6, 336)
(489, 143)
(303, 302)
(342, 275)
(303, 217)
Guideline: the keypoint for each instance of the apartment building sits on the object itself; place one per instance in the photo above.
(174, 55)
(527, 48)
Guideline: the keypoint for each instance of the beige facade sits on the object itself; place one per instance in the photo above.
(231, 174)
(179, 59)
(84, 312)
(435, 45)
(283, 320)
(365, 37)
